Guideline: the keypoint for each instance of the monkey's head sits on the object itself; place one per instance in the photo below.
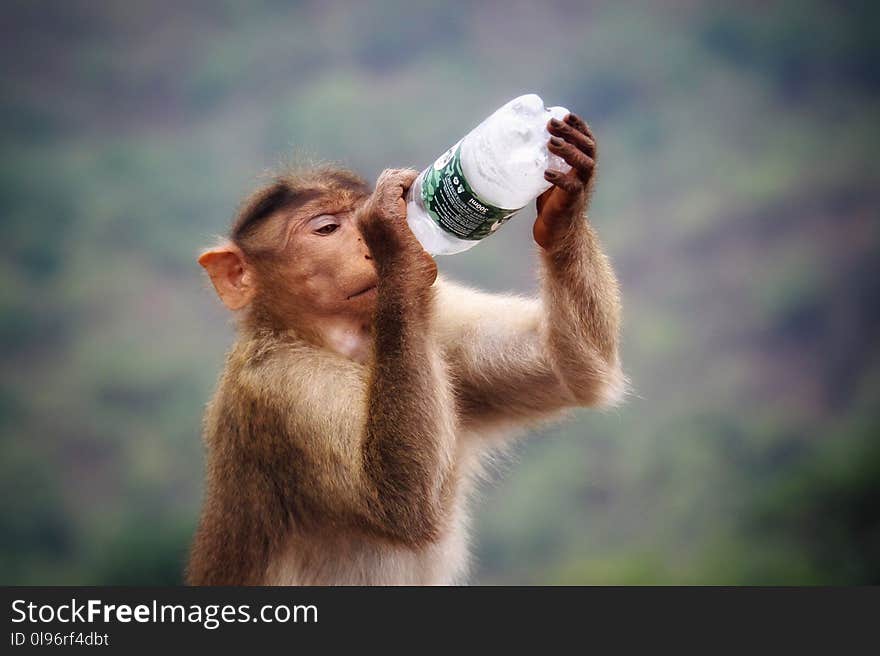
(294, 255)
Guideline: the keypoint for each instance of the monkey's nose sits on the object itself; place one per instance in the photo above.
(368, 257)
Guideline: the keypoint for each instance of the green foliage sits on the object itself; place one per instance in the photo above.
(737, 196)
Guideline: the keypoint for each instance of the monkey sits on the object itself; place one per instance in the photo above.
(365, 390)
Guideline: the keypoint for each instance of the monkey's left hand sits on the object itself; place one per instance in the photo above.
(566, 200)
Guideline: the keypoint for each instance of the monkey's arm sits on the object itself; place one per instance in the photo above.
(581, 324)
(406, 455)
(517, 359)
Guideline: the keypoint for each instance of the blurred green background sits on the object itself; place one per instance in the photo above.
(738, 196)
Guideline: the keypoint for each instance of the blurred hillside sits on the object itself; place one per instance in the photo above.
(738, 196)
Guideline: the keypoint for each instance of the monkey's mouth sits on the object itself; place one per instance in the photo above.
(362, 292)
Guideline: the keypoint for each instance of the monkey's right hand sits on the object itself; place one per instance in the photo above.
(382, 222)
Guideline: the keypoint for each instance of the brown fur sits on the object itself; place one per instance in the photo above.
(323, 470)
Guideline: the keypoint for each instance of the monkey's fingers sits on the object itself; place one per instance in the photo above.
(568, 182)
(580, 162)
(389, 196)
(391, 178)
(580, 125)
(573, 136)
(408, 176)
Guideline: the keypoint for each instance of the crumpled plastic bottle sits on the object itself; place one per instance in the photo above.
(479, 183)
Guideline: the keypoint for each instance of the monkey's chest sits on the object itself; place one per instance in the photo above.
(340, 558)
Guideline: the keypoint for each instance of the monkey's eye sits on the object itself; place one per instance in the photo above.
(327, 229)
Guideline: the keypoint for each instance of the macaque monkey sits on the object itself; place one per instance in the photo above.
(364, 391)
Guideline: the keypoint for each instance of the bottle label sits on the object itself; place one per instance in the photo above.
(453, 205)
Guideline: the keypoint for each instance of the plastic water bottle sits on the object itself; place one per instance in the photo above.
(489, 175)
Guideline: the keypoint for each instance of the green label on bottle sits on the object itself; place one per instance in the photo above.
(453, 205)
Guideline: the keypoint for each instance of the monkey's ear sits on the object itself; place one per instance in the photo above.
(229, 274)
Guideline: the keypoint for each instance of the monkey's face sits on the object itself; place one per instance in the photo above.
(302, 265)
(325, 269)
